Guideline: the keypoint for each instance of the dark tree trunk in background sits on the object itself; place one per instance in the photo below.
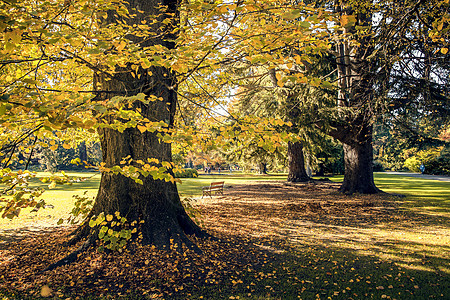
(262, 168)
(156, 202)
(297, 171)
(358, 176)
(82, 150)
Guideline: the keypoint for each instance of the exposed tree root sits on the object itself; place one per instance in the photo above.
(78, 234)
(368, 189)
(299, 179)
(74, 255)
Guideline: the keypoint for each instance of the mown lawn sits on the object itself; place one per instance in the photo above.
(424, 196)
(61, 197)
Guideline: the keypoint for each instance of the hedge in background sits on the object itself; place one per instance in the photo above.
(187, 173)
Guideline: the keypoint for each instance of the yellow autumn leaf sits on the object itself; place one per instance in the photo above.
(444, 50)
(141, 128)
(46, 291)
(109, 218)
(348, 20)
(145, 63)
(278, 76)
(121, 46)
(66, 146)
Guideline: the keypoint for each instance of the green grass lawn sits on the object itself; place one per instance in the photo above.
(428, 196)
(424, 195)
(192, 187)
(61, 197)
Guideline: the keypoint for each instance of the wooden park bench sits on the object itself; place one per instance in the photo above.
(216, 187)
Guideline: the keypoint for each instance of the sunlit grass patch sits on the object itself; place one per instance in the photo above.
(60, 198)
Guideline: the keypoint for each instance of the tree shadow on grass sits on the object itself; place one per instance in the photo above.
(366, 227)
(234, 267)
(10, 236)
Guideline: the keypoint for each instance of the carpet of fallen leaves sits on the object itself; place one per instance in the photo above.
(274, 240)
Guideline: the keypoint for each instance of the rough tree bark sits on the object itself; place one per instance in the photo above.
(156, 202)
(358, 157)
(356, 96)
(297, 171)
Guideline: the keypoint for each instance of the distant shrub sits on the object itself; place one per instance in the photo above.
(187, 173)
(439, 165)
(333, 166)
(423, 157)
(412, 164)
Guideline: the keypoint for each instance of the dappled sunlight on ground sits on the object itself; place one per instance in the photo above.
(313, 214)
(272, 240)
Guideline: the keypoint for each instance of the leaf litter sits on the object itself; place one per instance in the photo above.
(274, 240)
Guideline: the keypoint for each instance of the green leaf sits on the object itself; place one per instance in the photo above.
(305, 24)
(2, 109)
(92, 223)
(327, 84)
(30, 81)
(145, 63)
(4, 97)
(292, 14)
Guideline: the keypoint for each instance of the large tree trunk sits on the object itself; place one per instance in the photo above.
(156, 202)
(356, 97)
(297, 171)
(356, 138)
(358, 176)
